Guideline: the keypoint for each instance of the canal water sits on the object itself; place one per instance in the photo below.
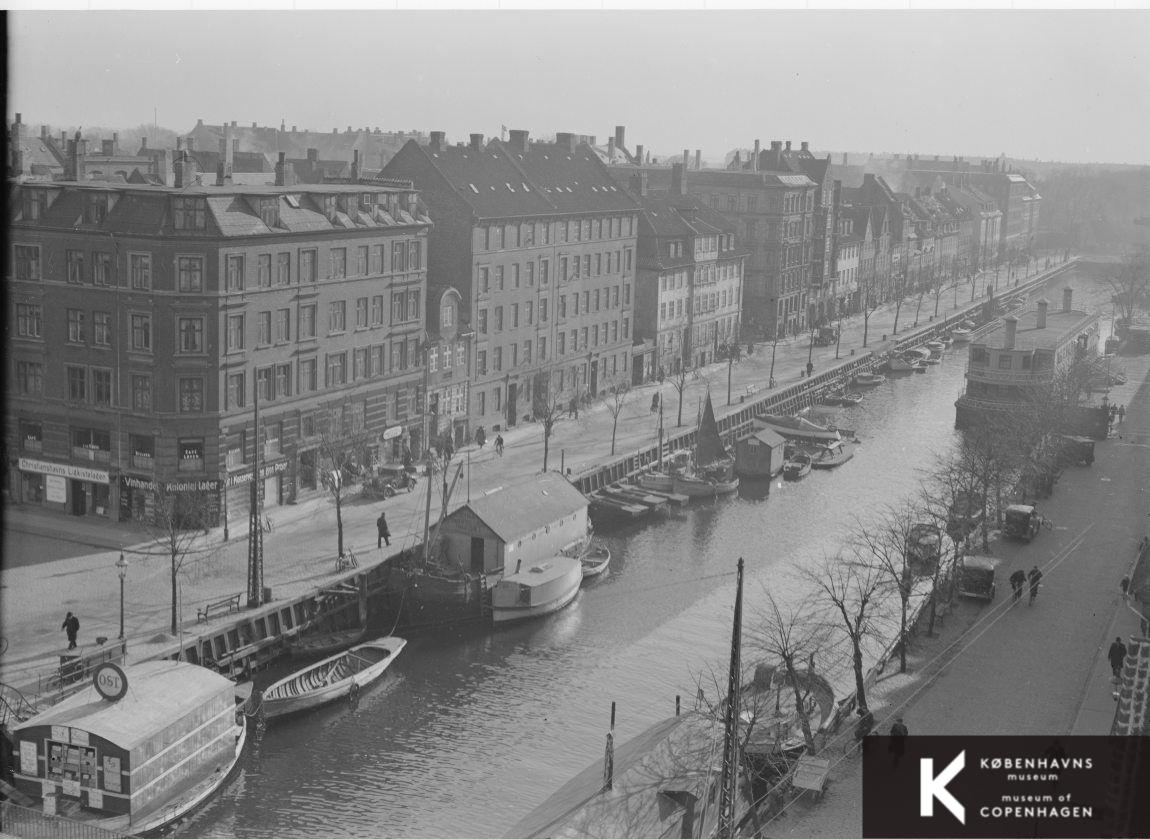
(468, 732)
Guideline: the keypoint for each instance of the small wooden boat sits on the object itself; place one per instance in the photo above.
(331, 679)
(595, 561)
(326, 643)
(851, 398)
(865, 379)
(798, 466)
(935, 347)
(961, 335)
(831, 455)
(540, 590)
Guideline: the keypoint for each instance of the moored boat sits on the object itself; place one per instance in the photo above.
(595, 561)
(867, 379)
(831, 455)
(798, 428)
(961, 335)
(333, 678)
(326, 643)
(851, 398)
(705, 486)
(797, 466)
(539, 590)
(935, 347)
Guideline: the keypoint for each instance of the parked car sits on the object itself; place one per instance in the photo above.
(387, 481)
(1021, 521)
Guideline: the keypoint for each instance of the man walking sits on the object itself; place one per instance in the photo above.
(898, 735)
(383, 534)
(1117, 656)
(1017, 581)
(499, 445)
(71, 625)
(1035, 577)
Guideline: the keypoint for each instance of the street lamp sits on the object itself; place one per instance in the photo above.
(122, 567)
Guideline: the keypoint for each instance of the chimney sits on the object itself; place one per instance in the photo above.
(436, 141)
(648, 157)
(164, 164)
(698, 159)
(566, 140)
(846, 159)
(255, 125)
(115, 142)
(776, 145)
(620, 132)
(1043, 304)
(610, 149)
(181, 169)
(788, 145)
(107, 148)
(1011, 331)
(224, 167)
(281, 169)
(686, 160)
(191, 144)
(1067, 297)
(639, 154)
(199, 123)
(518, 139)
(755, 159)
(44, 134)
(144, 143)
(349, 129)
(63, 140)
(476, 143)
(639, 184)
(294, 129)
(593, 139)
(805, 146)
(17, 147)
(77, 150)
(282, 126)
(354, 164)
(678, 180)
(234, 124)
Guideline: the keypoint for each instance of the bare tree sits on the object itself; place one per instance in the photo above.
(1131, 284)
(548, 406)
(178, 518)
(899, 296)
(679, 382)
(869, 305)
(851, 588)
(343, 442)
(615, 402)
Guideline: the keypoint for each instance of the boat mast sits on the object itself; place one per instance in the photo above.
(728, 787)
(427, 511)
(660, 429)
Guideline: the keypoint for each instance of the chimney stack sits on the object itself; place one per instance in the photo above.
(281, 169)
(755, 159)
(164, 165)
(686, 160)
(17, 146)
(436, 141)
(63, 140)
(776, 145)
(476, 142)
(639, 154)
(224, 167)
(610, 149)
(846, 159)
(191, 144)
(565, 140)
(1043, 304)
(620, 133)
(788, 145)
(355, 165)
(805, 146)
(44, 133)
(1067, 297)
(517, 139)
(107, 148)
(115, 142)
(678, 179)
(698, 159)
(1011, 332)
(77, 151)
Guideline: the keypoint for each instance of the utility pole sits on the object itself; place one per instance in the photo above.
(255, 517)
(728, 787)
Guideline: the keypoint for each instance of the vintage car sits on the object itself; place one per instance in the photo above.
(1077, 450)
(1021, 521)
(976, 577)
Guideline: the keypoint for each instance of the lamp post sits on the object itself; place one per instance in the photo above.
(122, 567)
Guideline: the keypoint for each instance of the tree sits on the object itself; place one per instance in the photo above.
(343, 443)
(548, 405)
(679, 382)
(869, 305)
(1131, 284)
(899, 295)
(615, 401)
(178, 518)
(851, 587)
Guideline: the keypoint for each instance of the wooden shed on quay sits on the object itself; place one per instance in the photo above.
(520, 524)
(759, 453)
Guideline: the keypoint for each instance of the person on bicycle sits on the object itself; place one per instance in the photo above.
(1035, 577)
(1017, 581)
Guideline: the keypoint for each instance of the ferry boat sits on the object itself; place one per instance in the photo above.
(135, 751)
(539, 590)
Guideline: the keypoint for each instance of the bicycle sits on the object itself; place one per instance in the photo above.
(266, 524)
(346, 562)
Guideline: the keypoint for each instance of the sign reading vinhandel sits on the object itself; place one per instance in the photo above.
(63, 470)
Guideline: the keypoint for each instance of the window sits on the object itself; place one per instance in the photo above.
(361, 313)
(361, 267)
(563, 275)
(447, 315)
(307, 263)
(583, 337)
(283, 379)
(308, 375)
(398, 257)
(542, 349)
(336, 369)
(562, 343)
(599, 264)
(514, 356)
(528, 311)
(377, 368)
(270, 211)
(626, 294)
(562, 305)
(515, 275)
(190, 270)
(235, 332)
(191, 452)
(377, 310)
(497, 359)
(499, 278)
(338, 263)
(189, 213)
(263, 329)
(283, 269)
(283, 325)
(626, 328)
(235, 273)
(141, 393)
(544, 269)
(307, 322)
(101, 386)
(432, 359)
(531, 273)
(514, 315)
(627, 259)
(337, 316)
(30, 378)
(481, 363)
(75, 261)
(447, 357)
(77, 383)
(27, 259)
(575, 304)
(1004, 362)
(76, 331)
(191, 331)
(191, 395)
(359, 364)
(596, 300)
(482, 403)
(497, 399)
(543, 310)
(237, 390)
(414, 256)
(35, 202)
(101, 268)
(264, 270)
(484, 280)
(29, 319)
(140, 270)
(498, 318)
(526, 352)
(264, 383)
(615, 297)
(586, 265)
(377, 255)
(398, 307)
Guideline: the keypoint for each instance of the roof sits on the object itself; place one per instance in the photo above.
(722, 177)
(680, 754)
(680, 215)
(159, 693)
(767, 437)
(1061, 326)
(575, 181)
(516, 510)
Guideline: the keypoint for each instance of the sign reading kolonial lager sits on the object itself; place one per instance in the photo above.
(1081, 787)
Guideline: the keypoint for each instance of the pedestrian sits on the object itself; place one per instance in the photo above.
(1121, 414)
(655, 403)
(1035, 577)
(1124, 584)
(499, 445)
(71, 625)
(383, 534)
(898, 735)
(480, 437)
(1017, 581)
(1117, 656)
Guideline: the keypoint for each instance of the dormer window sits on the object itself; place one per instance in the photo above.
(329, 206)
(189, 213)
(96, 208)
(366, 201)
(35, 203)
(270, 211)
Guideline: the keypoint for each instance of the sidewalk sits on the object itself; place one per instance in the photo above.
(300, 551)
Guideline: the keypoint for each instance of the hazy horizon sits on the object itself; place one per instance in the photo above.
(1071, 86)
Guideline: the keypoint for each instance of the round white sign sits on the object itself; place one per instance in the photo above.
(110, 681)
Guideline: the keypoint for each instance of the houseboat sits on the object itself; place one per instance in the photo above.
(1028, 357)
(136, 750)
(540, 589)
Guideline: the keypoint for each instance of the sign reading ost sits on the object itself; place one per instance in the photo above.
(111, 682)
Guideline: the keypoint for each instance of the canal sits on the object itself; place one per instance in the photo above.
(468, 732)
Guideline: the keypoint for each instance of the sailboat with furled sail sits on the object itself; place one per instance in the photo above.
(712, 469)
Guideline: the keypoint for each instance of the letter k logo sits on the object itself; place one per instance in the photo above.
(932, 787)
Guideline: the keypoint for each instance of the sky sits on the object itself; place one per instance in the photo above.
(1049, 85)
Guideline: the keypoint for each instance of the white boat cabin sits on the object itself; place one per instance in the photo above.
(526, 524)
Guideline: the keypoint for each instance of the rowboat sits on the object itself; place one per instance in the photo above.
(865, 379)
(797, 467)
(850, 398)
(540, 590)
(831, 455)
(595, 561)
(331, 679)
(961, 335)
(326, 643)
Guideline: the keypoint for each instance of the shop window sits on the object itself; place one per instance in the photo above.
(31, 436)
(143, 449)
(191, 454)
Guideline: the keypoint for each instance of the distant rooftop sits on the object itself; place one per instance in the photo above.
(1061, 326)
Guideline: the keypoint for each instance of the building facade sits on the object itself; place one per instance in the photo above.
(540, 243)
(147, 320)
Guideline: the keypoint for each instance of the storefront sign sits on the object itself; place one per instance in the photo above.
(266, 471)
(201, 485)
(393, 432)
(110, 681)
(132, 482)
(55, 489)
(63, 470)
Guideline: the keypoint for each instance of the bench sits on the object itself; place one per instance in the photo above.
(227, 605)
